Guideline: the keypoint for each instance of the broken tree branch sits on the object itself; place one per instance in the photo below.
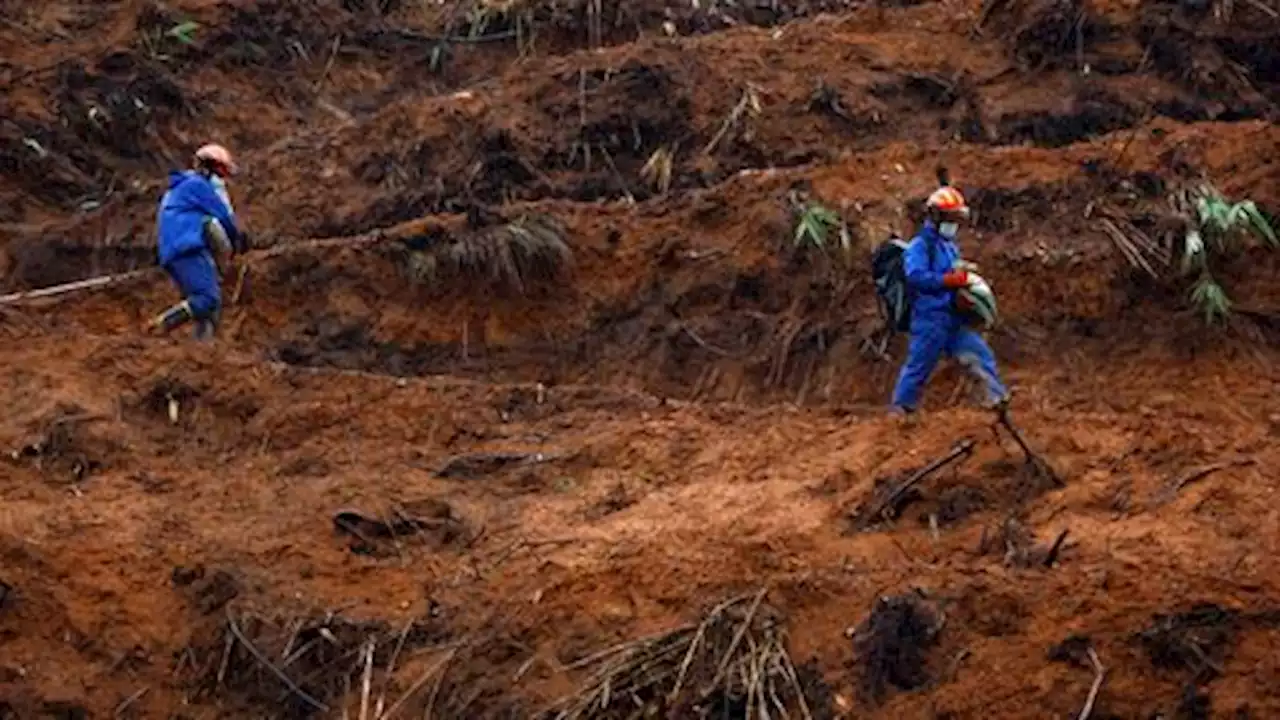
(1204, 472)
(91, 283)
(262, 254)
(367, 682)
(963, 449)
(1055, 549)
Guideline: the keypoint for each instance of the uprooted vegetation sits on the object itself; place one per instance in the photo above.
(891, 645)
(308, 665)
(63, 448)
(1192, 240)
(733, 663)
(1196, 645)
(558, 27)
(1045, 34)
(530, 253)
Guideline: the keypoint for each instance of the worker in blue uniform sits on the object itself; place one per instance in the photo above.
(934, 272)
(197, 227)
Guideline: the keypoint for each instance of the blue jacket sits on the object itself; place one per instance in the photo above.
(929, 298)
(190, 199)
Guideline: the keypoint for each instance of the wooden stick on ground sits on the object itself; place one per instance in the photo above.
(1032, 457)
(963, 449)
(367, 682)
(1206, 471)
(1055, 549)
(118, 278)
(1100, 675)
(419, 684)
(89, 284)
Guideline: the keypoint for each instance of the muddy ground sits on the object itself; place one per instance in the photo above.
(526, 405)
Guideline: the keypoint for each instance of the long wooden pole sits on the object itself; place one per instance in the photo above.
(107, 280)
(91, 283)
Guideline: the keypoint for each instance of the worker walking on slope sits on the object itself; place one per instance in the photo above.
(934, 272)
(197, 227)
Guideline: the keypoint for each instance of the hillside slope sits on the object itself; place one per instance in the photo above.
(403, 484)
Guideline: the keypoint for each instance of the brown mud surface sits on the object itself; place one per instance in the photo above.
(525, 386)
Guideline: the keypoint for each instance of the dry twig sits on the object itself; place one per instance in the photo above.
(1204, 472)
(418, 685)
(1100, 675)
(749, 103)
(257, 654)
(367, 683)
(738, 653)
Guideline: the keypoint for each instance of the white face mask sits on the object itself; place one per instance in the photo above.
(949, 230)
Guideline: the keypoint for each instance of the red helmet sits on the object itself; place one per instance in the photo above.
(948, 200)
(219, 158)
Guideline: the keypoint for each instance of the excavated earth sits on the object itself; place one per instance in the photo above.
(396, 489)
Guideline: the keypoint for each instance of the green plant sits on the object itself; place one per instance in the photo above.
(184, 32)
(154, 41)
(1209, 229)
(814, 226)
(1216, 228)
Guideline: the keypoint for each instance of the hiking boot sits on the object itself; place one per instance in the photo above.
(903, 416)
(171, 318)
(999, 405)
(205, 329)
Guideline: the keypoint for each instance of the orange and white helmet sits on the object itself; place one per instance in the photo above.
(219, 158)
(948, 200)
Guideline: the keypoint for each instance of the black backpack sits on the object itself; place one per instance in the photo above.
(888, 269)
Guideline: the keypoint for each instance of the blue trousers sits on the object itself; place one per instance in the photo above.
(933, 337)
(196, 276)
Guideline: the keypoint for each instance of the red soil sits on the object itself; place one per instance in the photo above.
(708, 423)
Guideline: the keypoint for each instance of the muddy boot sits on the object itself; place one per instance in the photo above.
(171, 318)
(206, 328)
(904, 417)
(1000, 405)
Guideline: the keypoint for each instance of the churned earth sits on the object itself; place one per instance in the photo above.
(528, 403)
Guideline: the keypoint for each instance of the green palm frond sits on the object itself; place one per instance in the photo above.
(184, 32)
(1226, 221)
(1250, 214)
(1210, 298)
(1215, 228)
(815, 223)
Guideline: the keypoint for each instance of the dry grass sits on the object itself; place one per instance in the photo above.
(515, 257)
(732, 664)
